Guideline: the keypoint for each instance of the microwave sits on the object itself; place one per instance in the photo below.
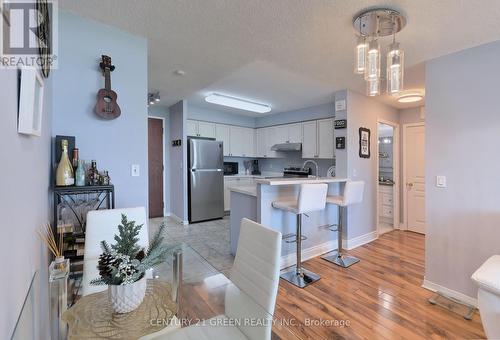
(230, 168)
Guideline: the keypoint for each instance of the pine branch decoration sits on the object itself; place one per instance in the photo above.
(126, 240)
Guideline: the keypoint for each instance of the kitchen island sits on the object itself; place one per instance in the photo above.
(254, 202)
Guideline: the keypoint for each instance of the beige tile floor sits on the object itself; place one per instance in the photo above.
(209, 239)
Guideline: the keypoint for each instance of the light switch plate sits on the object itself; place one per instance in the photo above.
(340, 105)
(136, 170)
(441, 181)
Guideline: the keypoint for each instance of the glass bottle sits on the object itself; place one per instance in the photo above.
(76, 156)
(80, 174)
(93, 174)
(64, 172)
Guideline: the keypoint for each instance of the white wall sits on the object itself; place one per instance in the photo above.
(363, 111)
(178, 161)
(462, 138)
(24, 208)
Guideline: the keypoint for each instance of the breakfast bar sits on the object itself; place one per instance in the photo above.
(256, 203)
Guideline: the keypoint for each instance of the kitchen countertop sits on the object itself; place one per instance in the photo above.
(296, 181)
(262, 175)
(250, 190)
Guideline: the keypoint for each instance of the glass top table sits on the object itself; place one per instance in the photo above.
(185, 290)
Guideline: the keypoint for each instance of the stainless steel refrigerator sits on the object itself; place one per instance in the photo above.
(206, 179)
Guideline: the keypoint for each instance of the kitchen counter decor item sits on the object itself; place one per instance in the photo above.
(123, 265)
(64, 172)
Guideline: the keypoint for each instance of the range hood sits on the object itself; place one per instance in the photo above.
(287, 147)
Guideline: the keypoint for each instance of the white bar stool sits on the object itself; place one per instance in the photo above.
(353, 194)
(312, 197)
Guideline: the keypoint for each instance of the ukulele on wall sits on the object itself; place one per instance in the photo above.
(106, 106)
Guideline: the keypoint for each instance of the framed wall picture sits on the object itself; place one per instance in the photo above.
(364, 142)
(30, 103)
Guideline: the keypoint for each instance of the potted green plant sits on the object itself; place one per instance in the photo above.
(123, 265)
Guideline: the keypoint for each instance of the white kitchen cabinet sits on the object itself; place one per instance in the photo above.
(192, 128)
(295, 133)
(386, 204)
(241, 142)
(223, 134)
(310, 139)
(206, 129)
(325, 138)
(264, 140)
(318, 139)
(281, 134)
(197, 128)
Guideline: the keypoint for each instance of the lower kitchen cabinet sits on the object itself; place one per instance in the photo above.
(230, 182)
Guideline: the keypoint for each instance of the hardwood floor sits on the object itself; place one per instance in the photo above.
(380, 298)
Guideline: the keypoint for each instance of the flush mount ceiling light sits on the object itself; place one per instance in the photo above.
(153, 98)
(410, 97)
(237, 103)
(370, 25)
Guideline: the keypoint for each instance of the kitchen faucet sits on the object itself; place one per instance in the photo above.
(315, 164)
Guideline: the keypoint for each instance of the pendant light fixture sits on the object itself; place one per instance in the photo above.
(371, 25)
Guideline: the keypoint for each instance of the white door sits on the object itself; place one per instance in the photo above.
(415, 178)
(295, 133)
(222, 133)
(206, 129)
(325, 138)
(310, 140)
(192, 128)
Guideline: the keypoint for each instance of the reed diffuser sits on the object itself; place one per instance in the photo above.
(56, 248)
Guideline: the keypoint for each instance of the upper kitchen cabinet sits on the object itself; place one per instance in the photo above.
(223, 134)
(265, 138)
(241, 142)
(326, 141)
(200, 129)
(310, 142)
(289, 133)
(318, 139)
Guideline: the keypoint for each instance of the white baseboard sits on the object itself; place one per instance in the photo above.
(177, 219)
(360, 240)
(308, 253)
(434, 287)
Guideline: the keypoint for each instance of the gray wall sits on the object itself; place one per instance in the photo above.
(462, 131)
(178, 161)
(24, 207)
(308, 113)
(118, 143)
(363, 111)
(163, 112)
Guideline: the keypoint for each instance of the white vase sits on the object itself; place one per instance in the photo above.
(126, 298)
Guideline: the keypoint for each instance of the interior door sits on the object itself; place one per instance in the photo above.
(415, 178)
(155, 167)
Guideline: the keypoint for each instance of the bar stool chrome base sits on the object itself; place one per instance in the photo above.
(342, 260)
(300, 280)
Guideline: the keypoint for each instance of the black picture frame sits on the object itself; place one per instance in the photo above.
(364, 142)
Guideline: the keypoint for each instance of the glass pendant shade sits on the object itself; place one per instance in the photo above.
(395, 67)
(373, 87)
(361, 49)
(372, 70)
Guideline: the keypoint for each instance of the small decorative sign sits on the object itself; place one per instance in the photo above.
(340, 143)
(364, 142)
(176, 142)
(341, 124)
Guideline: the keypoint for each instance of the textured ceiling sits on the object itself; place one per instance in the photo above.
(290, 53)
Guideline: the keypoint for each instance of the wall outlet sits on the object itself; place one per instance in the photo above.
(136, 170)
(441, 181)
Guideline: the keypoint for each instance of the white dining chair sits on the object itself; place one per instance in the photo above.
(103, 225)
(252, 296)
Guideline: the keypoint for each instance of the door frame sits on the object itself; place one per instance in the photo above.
(396, 170)
(165, 212)
(405, 201)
